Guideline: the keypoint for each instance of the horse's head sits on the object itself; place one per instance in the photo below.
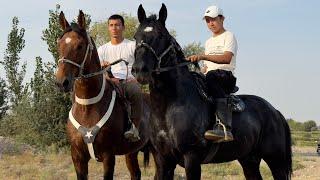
(154, 45)
(75, 49)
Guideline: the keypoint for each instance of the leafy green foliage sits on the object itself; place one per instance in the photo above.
(11, 63)
(302, 126)
(40, 114)
(309, 125)
(193, 49)
(52, 33)
(3, 100)
(100, 34)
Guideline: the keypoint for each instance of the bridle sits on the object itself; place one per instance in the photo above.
(172, 47)
(88, 54)
(81, 66)
(89, 49)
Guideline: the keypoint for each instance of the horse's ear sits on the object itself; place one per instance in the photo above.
(81, 20)
(141, 14)
(63, 22)
(163, 14)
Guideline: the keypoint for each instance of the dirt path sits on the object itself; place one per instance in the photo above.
(307, 157)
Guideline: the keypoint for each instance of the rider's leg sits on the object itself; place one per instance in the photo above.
(216, 80)
(134, 95)
(221, 131)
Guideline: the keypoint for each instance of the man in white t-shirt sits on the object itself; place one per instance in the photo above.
(120, 48)
(220, 59)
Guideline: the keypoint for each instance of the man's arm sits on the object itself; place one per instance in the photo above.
(219, 59)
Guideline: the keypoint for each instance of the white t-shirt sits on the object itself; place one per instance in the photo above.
(110, 53)
(217, 45)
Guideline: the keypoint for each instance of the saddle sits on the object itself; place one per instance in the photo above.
(237, 105)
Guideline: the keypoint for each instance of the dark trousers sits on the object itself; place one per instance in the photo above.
(220, 83)
(134, 95)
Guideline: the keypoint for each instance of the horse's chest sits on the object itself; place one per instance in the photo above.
(162, 137)
(163, 141)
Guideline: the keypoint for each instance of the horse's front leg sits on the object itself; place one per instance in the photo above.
(80, 162)
(108, 165)
(192, 165)
(164, 167)
(133, 165)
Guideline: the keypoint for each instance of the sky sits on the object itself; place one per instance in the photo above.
(278, 56)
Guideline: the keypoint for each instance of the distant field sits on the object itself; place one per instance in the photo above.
(302, 138)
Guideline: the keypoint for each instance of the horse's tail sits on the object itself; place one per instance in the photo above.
(146, 154)
(288, 147)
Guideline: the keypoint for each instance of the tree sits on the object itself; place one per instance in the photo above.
(38, 80)
(295, 126)
(309, 125)
(100, 34)
(3, 101)
(11, 63)
(192, 49)
(52, 33)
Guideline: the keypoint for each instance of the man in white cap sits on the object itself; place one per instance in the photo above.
(220, 58)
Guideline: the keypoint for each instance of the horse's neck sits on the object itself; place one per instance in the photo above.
(171, 87)
(88, 88)
(173, 81)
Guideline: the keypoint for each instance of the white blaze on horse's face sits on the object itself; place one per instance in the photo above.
(148, 29)
(68, 40)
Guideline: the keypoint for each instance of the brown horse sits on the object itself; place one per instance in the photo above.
(98, 118)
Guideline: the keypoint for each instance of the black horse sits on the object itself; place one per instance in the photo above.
(180, 116)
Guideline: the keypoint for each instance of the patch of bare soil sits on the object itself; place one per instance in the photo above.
(307, 157)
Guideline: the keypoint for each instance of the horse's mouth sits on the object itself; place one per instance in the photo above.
(142, 78)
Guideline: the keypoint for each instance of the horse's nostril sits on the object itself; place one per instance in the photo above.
(144, 69)
(65, 83)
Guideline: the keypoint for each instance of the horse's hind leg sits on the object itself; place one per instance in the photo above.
(192, 166)
(108, 165)
(133, 166)
(250, 167)
(278, 168)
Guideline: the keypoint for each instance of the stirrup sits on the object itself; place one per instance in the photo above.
(216, 137)
(223, 126)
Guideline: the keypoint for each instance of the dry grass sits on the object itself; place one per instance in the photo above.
(28, 165)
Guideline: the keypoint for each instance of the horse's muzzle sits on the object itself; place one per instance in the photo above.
(64, 85)
(141, 74)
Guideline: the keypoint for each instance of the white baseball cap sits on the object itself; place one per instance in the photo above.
(213, 11)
